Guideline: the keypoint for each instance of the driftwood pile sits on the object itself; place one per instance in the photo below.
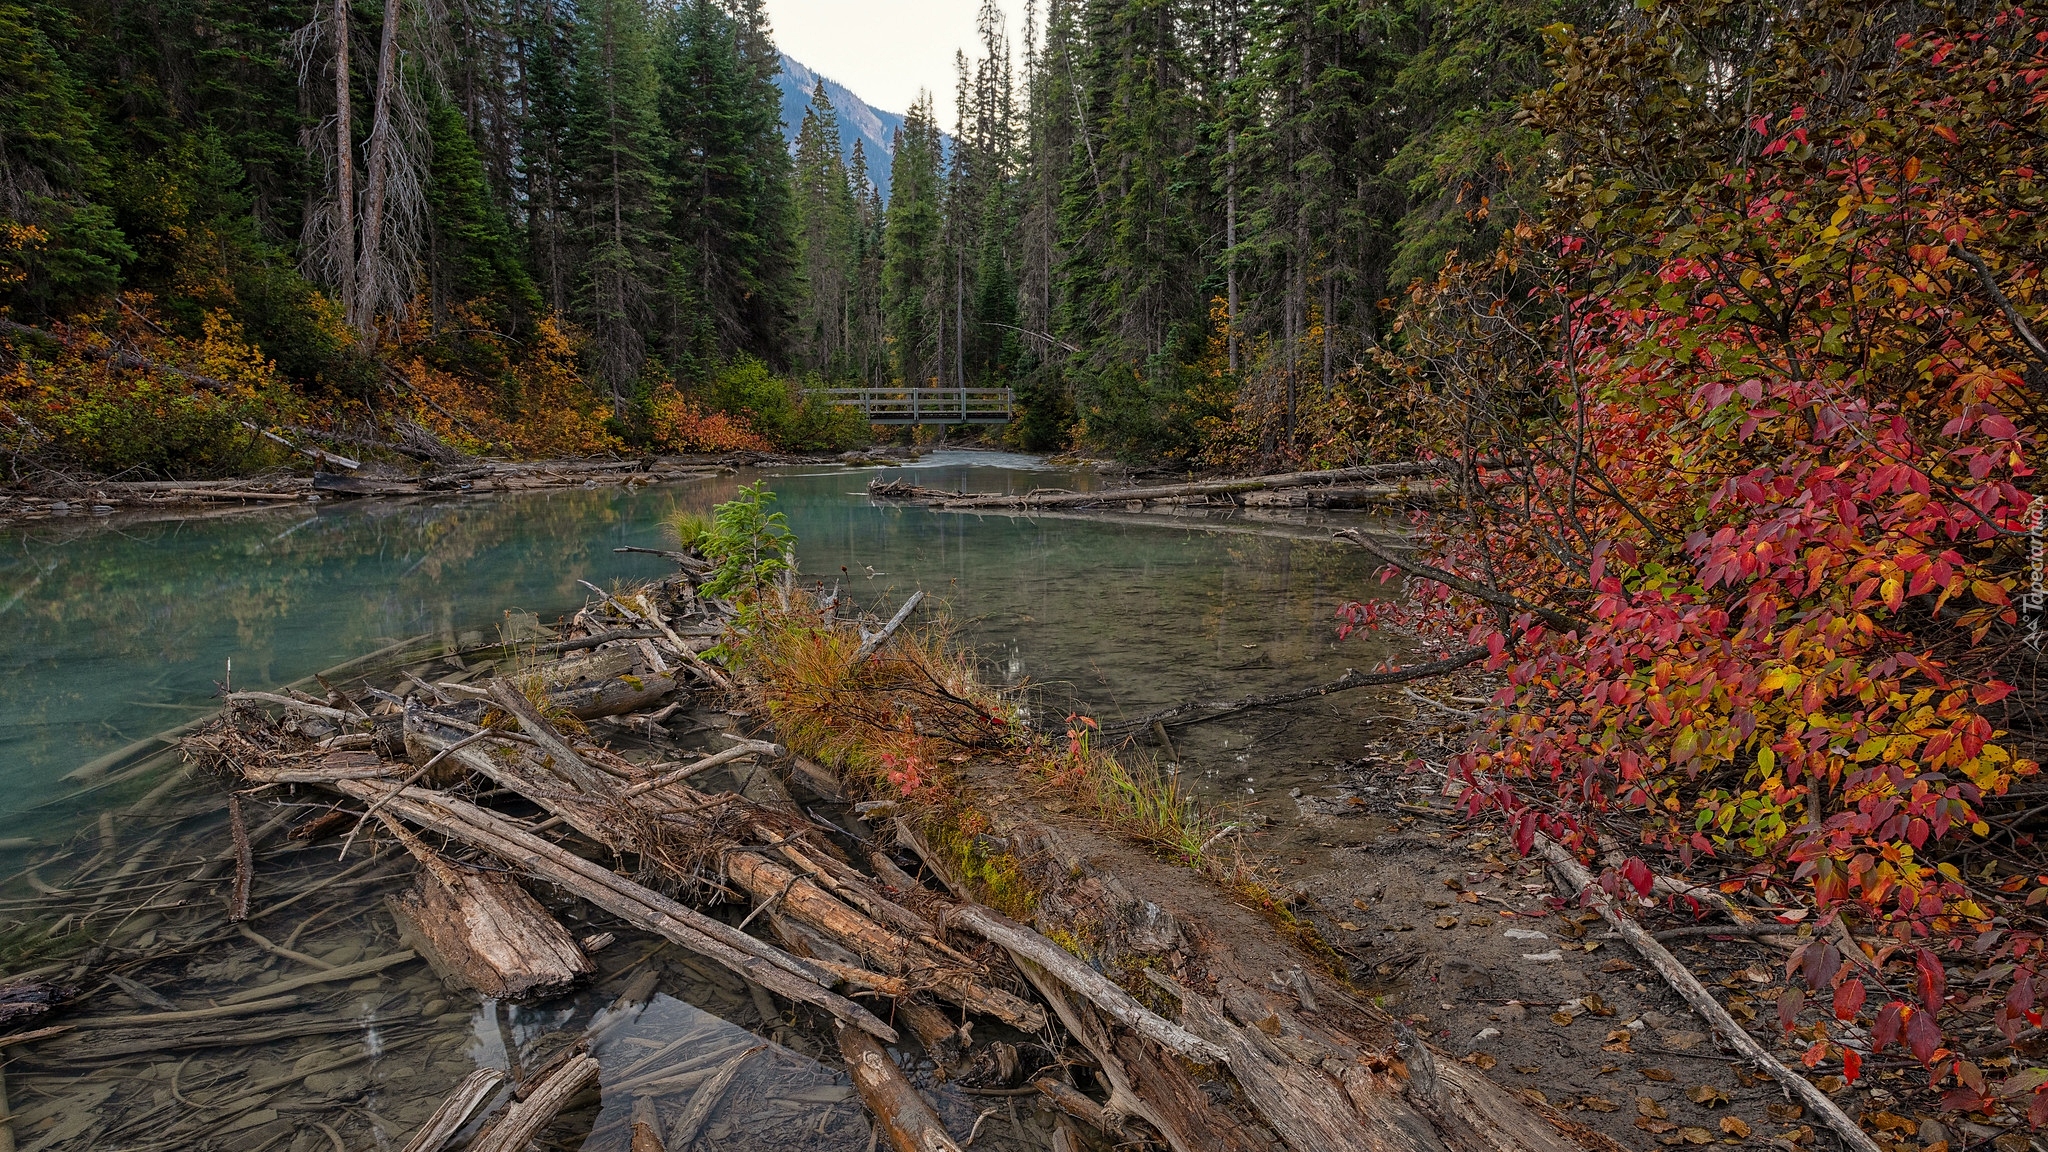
(495, 788)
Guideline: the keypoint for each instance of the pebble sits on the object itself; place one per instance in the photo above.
(1486, 1034)
(434, 1008)
(1550, 957)
(1525, 934)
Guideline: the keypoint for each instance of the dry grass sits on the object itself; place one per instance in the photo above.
(898, 723)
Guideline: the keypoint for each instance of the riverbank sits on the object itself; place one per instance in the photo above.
(1321, 837)
(56, 496)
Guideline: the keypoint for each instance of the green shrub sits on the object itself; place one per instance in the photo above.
(795, 418)
(121, 423)
(747, 545)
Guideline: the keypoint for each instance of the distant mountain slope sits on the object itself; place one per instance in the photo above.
(874, 128)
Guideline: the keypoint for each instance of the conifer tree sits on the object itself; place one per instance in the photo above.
(913, 261)
(614, 141)
(827, 256)
(728, 179)
(869, 330)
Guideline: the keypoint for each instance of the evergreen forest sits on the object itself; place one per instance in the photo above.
(1204, 231)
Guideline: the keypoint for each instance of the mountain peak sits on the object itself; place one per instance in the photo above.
(875, 129)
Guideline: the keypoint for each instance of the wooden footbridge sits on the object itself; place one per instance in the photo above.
(926, 405)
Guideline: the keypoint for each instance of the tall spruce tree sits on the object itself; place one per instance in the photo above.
(729, 205)
(614, 144)
(914, 262)
(828, 218)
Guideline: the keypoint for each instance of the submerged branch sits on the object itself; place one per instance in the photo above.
(1203, 711)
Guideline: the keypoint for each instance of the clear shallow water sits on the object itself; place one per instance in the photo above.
(109, 634)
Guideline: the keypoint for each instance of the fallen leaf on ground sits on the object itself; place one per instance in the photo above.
(1785, 1112)
(1361, 905)
(1600, 1104)
(1882, 1121)
(1734, 1126)
(1534, 1097)
(1660, 1075)
(1597, 1006)
(1447, 921)
(1606, 1068)
(1648, 1107)
(1691, 1135)
(1648, 1124)
(1483, 1060)
(1528, 1069)
(1347, 925)
(1707, 1096)
(1561, 1018)
(1617, 965)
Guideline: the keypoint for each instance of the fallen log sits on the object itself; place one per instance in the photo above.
(1057, 962)
(507, 767)
(1366, 472)
(707, 1097)
(613, 697)
(455, 1111)
(1578, 881)
(563, 759)
(517, 1125)
(482, 930)
(1070, 1100)
(646, 1136)
(355, 971)
(333, 715)
(871, 642)
(904, 1117)
(804, 900)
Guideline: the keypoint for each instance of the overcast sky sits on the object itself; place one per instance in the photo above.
(885, 50)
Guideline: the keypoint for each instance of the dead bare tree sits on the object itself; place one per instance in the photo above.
(367, 247)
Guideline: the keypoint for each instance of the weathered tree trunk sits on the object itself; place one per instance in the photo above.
(516, 1126)
(454, 1111)
(612, 697)
(368, 275)
(482, 930)
(1362, 473)
(344, 238)
(905, 1118)
(894, 955)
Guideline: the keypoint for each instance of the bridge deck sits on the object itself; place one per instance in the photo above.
(926, 405)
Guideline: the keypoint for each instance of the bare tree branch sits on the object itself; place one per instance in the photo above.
(1493, 596)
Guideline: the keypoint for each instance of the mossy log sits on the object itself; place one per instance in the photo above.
(613, 697)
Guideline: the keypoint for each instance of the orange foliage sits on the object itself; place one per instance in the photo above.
(675, 423)
(540, 406)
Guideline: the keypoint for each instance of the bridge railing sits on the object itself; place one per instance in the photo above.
(926, 405)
